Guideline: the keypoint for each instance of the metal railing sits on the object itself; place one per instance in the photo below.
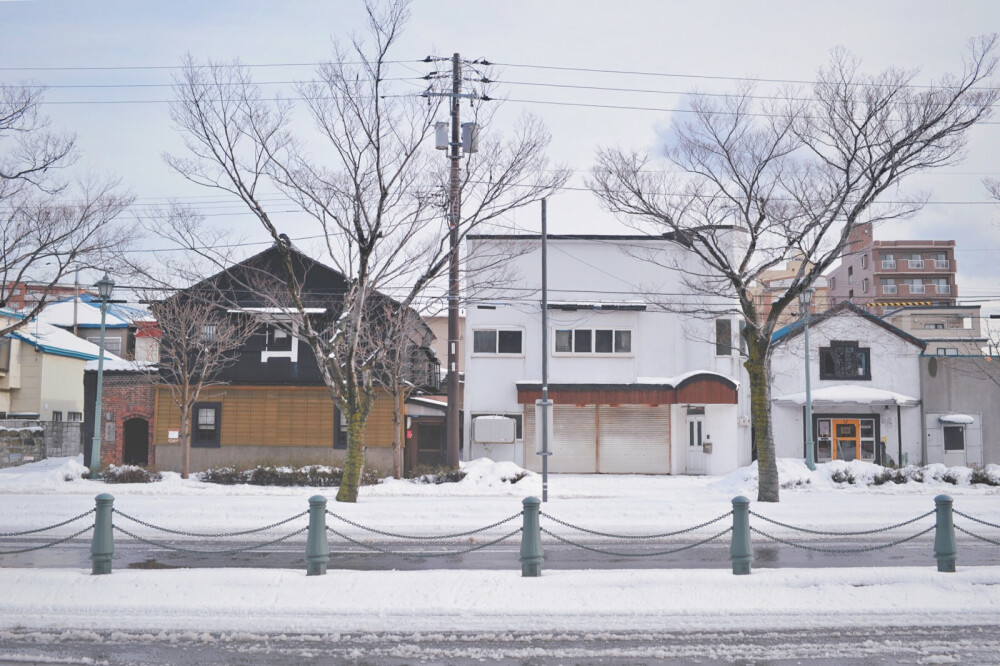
(317, 549)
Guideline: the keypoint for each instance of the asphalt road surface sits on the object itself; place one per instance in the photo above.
(291, 555)
(841, 646)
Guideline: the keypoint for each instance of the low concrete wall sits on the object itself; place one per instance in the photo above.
(168, 457)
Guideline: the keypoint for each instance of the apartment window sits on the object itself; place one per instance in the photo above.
(941, 261)
(888, 285)
(941, 285)
(593, 341)
(57, 416)
(207, 424)
(723, 337)
(864, 286)
(954, 438)
(915, 261)
(74, 416)
(845, 360)
(946, 351)
(833, 283)
(4, 354)
(864, 261)
(850, 275)
(888, 261)
(111, 344)
(850, 296)
(915, 285)
(498, 341)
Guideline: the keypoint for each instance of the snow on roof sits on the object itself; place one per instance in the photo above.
(116, 364)
(651, 381)
(54, 340)
(957, 418)
(87, 314)
(847, 394)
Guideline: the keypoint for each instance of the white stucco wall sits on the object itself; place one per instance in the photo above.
(895, 366)
(664, 344)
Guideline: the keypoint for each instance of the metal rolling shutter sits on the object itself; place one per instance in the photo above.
(574, 449)
(635, 439)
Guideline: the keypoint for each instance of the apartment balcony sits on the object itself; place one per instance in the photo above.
(942, 264)
(888, 264)
(917, 289)
(888, 289)
(943, 288)
(915, 263)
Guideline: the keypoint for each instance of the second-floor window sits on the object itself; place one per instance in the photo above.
(864, 261)
(888, 261)
(864, 285)
(844, 360)
(723, 337)
(498, 341)
(111, 344)
(593, 341)
(850, 275)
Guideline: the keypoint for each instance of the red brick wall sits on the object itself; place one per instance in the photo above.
(127, 396)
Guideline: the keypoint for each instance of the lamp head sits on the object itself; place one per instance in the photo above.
(806, 297)
(104, 287)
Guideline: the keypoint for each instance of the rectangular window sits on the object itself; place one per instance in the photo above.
(208, 332)
(954, 438)
(607, 341)
(339, 429)
(934, 326)
(833, 283)
(888, 285)
(74, 416)
(57, 416)
(206, 426)
(864, 286)
(850, 275)
(864, 261)
(845, 360)
(946, 351)
(564, 341)
(723, 337)
(498, 341)
(112, 344)
(4, 354)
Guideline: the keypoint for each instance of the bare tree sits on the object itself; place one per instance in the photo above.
(757, 184)
(368, 181)
(199, 340)
(47, 228)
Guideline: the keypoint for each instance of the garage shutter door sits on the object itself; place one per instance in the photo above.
(635, 439)
(574, 449)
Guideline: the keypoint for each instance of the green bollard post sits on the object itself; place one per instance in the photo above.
(740, 551)
(531, 539)
(317, 544)
(945, 546)
(102, 547)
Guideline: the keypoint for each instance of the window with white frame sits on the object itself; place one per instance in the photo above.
(946, 351)
(864, 261)
(498, 341)
(593, 341)
(888, 285)
(864, 286)
(280, 342)
(112, 344)
(888, 261)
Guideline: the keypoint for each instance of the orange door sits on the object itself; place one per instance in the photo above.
(846, 439)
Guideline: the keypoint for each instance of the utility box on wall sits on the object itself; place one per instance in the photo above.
(493, 430)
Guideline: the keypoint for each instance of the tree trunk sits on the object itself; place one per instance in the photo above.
(355, 461)
(397, 429)
(185, 436)
(756, 364)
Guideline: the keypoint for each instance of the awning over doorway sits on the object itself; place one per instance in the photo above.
(846, 394)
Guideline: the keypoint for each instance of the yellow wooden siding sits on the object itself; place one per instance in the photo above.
(270, 416)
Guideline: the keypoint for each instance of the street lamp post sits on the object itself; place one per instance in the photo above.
(104, 289)
(805, 300)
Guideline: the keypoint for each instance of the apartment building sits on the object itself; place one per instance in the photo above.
(948, 330)
(887, 275)
(774, 283)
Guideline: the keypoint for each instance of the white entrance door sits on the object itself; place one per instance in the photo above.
(695, 444)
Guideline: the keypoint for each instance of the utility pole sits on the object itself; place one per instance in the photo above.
(458, 140)
(544, 403)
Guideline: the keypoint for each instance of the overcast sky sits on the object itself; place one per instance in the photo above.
(672, 48)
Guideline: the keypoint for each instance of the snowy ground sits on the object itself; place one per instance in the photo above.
(275, 601)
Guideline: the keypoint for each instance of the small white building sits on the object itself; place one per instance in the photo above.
(637, 387)
(865, 389)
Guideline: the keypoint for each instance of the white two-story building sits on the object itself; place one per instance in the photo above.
(637, 385)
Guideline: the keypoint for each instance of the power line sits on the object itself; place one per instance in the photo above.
(103, 68)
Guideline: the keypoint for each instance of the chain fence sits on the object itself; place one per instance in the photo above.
(39, 530)
(854, 533)
(631, 539)
(413, 555)
(978, 537)
(441, 537)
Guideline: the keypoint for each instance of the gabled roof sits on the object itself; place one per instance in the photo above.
(54, 340)
(88, 314)
(796, 328)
